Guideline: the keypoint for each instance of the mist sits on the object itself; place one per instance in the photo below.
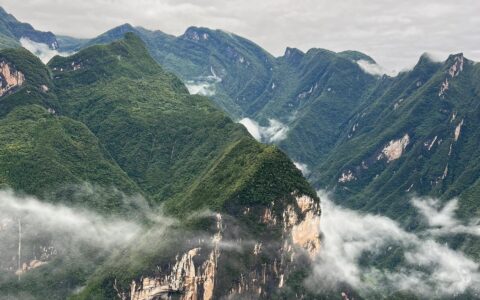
(374, 69)
(41, 50)
(352, 242)
(34, 232)
(302, 167)
(275, 132)
(441, 218)
(204, 85)
(428, 268)
(200, 88)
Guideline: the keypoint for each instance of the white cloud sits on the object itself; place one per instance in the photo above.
(302, 167)
(200, 88)
(41, 50)
(442, 217)
(431, 269)
(373, 68)
(275, 132)
(435, 56)
(67, 229)
(204, 85)
(78, 225)
(252, 127)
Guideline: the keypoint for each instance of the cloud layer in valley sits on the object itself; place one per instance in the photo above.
(441, 218)
(430, 269)
(76, 225)
(275, 132)
(204, 85)
(42, 51)
(352, 242)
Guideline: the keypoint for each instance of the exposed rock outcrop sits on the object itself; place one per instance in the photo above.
(346, 176)
(395, 148)
(453, 71)
(189, 279)
(10, 78)
(194, 274)
(33, 264)
(458, 130)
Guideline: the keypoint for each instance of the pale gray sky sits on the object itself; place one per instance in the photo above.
(394, 32)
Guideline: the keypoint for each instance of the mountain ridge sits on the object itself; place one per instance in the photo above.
(107, 127)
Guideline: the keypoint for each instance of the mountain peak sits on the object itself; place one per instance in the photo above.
(124, 28)
(426, 61)
(11, 27)
(124, 57)
(293, 55)
(196, 34)
(291, 52)
(6, 16)
(453, 58)
(356, 56)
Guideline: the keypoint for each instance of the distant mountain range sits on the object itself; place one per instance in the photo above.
(339, 116)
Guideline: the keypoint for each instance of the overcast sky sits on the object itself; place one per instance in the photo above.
(394, 32)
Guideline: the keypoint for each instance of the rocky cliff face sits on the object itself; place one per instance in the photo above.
(289, 233)
(10, 78)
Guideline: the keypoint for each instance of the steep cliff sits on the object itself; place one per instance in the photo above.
(200, 272)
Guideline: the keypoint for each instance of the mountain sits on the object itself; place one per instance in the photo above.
(12, 30)
(319, 100)
(232, 69)
(375, 141)
(101, 129)
(316, 100)
(416, 134)
(246, 81)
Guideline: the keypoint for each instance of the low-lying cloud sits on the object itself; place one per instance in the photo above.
(441, 218)
(352, 243)
(200, 88)
(81, 225)
(302, 167)
(374, 69)
(41, 50)
(32, 230)
(430, 269)
(275, 132)
(204, 85)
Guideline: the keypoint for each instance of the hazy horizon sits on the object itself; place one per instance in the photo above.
(394, 33)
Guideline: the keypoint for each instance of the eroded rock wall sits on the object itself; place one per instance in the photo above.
(10, 78)
(289, 231)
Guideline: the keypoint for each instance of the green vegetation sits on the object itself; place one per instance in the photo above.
(245, 68)
(114, 118)
(410, 104)
(322, 95)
